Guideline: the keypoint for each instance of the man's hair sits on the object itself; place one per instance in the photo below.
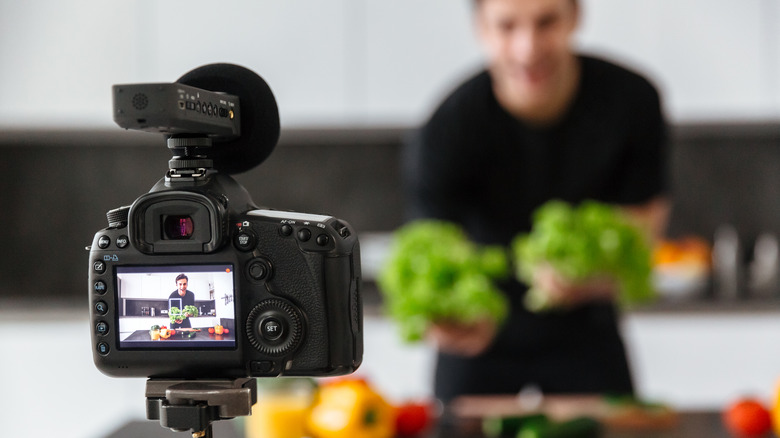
(180, 276)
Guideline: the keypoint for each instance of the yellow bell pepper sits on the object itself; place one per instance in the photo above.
(350, 409)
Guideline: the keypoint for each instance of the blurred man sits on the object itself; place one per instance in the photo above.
(541, 122)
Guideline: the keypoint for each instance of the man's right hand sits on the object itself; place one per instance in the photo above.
(463, 339)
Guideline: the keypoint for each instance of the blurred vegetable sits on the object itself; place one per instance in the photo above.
(588, 241)
(579, 427)
(350, 409)
(747, 418)
(510, 426)
(434, 272)
(413, 418)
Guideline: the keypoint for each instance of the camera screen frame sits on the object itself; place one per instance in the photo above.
(133, 282)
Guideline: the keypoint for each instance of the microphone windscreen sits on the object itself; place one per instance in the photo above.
(259, 115)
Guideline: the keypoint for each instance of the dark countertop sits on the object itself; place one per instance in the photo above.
(694, 424)
(181, 336)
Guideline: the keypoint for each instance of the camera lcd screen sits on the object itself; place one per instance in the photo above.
(176, 307)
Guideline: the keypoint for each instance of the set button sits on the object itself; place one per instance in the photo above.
(271, 329)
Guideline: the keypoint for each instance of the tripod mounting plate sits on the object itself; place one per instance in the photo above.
(193, 405)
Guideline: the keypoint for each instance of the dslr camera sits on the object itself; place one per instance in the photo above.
(194, 280)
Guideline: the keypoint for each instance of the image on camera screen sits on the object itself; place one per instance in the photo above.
(176, 307)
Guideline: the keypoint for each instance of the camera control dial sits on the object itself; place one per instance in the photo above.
(274, 327)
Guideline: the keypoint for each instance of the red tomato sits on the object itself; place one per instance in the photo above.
(412, 418)
(747, 418)
(225, 331)
(211, 330)
(172, 332)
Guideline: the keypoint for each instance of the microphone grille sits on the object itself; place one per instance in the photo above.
(140, 101)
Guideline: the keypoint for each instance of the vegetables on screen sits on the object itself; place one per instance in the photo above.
(435, 273)
(582, 242)
(179, 315)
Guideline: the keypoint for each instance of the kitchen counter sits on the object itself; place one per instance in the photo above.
(132, 323)
(202, 338)
(694, 424)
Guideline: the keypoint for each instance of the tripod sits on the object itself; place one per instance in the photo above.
(192, 405)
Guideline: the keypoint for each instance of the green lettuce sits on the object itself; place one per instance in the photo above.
(435, 273)
(585, 241)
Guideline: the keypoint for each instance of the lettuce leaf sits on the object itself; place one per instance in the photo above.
(434, 272)
(592, 239)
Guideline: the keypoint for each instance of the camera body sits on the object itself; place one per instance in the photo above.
(284, 287)
(193, 280)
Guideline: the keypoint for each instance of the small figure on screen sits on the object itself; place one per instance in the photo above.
(183, 298)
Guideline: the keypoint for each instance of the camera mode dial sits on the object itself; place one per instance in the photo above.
(274, 327)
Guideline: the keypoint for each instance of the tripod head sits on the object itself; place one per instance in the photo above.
(192, 405)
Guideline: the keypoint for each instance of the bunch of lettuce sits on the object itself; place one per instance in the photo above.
(435, 273)
(583, 242)
(178, 315)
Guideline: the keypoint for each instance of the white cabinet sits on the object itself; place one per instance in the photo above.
(358, 62)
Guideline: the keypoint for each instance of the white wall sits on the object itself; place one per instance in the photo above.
(363, 62)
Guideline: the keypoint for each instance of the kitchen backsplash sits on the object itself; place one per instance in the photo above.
(719, 175)
(145, 307)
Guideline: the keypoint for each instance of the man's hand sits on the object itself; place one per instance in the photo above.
(566, 293)
(461, 338)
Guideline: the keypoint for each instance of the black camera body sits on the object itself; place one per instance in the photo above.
(193, 280)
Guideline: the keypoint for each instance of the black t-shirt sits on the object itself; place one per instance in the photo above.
(475, 164)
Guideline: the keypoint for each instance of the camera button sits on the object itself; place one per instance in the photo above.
(99, 266)
(100, 287)
(323, 239)
(286, 230)
(258, 270)
(271, 329)
(304, 235)
(103, 348)
(245, 241)
(104, 242)
(262, 367)
(122, 241)
(101, 328)
(101, 308)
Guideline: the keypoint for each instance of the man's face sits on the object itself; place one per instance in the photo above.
(181, 285)
(527, 42)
